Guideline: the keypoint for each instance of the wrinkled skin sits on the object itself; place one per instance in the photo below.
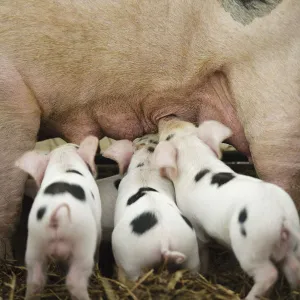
(115, 68)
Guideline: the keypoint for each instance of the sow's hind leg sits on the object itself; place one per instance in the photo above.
(268, 106)
(19, 124)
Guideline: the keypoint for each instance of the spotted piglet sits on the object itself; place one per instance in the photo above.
(108, 188)
(148, 225)
(258, 220)
(65, 218)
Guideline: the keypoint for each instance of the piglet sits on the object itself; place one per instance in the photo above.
(256, 219)
(65, 218)
(108, 189)
(148, 225)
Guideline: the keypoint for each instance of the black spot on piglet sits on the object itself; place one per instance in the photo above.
(187, 221)
(60, 187)
(144, 222)
(140, 165)
(150, 149)
(243, 215)
(74, 171)
(117, 183)
(153, 142)
(170, 136)
(243, 232)
(140, 193)
(40, 213)
(200, 174)
(222, 178)
(147, 189)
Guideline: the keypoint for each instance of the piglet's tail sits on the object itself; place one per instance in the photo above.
(54, 222)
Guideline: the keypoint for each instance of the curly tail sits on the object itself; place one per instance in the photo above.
(54, 219)
(171, 256)
(289, 227)
(174, 256)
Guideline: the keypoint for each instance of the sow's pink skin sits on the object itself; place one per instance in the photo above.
(256, 219)
(65, 218)
(76, 68)
(148, 225)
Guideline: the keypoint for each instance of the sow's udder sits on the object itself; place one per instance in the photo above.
(128, 118)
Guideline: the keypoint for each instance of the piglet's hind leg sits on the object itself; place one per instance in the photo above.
(291, 270)
(204, 258)
(133, 272)
(19, 124)
(36, 264)
(81, 268)
(265, 275)
(78, 277)
(36, 279)
(193, 262)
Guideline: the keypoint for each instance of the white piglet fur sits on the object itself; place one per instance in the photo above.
(256, 219)
(65, 218)
(108, 188)
(148, 225)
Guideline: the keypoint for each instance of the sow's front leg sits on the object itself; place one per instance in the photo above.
(19, 124)
(268, 105)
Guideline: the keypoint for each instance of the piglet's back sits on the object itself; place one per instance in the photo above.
(63, 205)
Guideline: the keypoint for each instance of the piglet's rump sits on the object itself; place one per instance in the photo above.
(256, 219)
(65, 219)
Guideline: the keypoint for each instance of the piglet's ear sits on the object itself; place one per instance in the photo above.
(87, 151)
(35, 164)
(165, 158)
(213, 133)
(121, 152)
